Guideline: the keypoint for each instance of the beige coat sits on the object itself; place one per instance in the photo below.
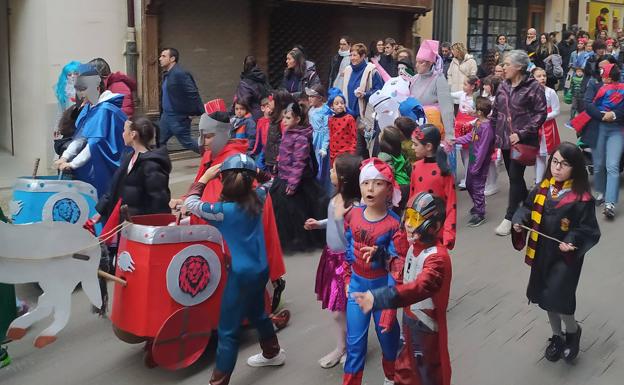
(459, 71)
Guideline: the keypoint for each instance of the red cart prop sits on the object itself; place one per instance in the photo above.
(175, 277)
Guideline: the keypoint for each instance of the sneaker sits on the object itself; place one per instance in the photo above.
(259, 360)
(462, 185)
(609, 210)
(554, 349)
(599, 197)
(5, 359)
(572, 345)
(504, 228)
(490, 190)
(476, 220)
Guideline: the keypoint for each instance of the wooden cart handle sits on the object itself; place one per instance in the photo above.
(113, 278)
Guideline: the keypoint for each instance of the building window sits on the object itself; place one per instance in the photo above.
(487, 20)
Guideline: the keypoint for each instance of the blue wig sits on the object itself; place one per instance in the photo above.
(59, 89)
(331, 95)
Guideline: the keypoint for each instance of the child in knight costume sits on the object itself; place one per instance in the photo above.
(98, 140)
(216, 146)
(238, 216)
(423, 294)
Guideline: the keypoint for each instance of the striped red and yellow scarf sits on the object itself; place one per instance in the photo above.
(538, 208)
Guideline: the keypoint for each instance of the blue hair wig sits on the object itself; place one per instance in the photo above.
(59, 89)
(332, 94)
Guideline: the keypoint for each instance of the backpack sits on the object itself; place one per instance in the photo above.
(554, 66)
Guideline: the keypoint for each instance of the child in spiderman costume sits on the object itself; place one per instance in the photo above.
(423, 293)
(369, 259)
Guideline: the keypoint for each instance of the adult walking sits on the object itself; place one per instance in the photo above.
(180, 101)
(361, 80)
(518, 112)
(339, 62)
(141, 183)
(462, 66)
(604, 134)
(431, 89)
(298, 74)
(252, 88)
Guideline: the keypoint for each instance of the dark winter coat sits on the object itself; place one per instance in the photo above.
(390, 65)
(120, 83)
(294, 156)
(565, 50)
(182, 91)
(530, 48)
(271, 150)
(145, 189)
(297, 84)
(334, 68)
(525, 106)
(554, 274)
(252, 88)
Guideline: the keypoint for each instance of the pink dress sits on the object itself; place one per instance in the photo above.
(330, 285)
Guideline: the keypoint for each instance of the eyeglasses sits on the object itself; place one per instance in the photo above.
(560, 163)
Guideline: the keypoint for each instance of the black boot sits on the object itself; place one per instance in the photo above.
(573, 341)
(554, 349)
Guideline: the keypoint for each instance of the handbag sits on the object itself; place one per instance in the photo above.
(524, 154)
(521, 153)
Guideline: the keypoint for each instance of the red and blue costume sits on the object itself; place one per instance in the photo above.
(363, 276)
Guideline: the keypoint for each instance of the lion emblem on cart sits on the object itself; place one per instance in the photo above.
(194, 275)
(65, 210)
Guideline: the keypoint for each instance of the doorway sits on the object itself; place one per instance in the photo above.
(536, 17)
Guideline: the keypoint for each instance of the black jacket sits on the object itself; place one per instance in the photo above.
(252, 88)
(389, 64)
(565, 50)
(334, 68)
(182, 92)
(145, 189)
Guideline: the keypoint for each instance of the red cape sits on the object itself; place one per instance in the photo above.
(212, 193)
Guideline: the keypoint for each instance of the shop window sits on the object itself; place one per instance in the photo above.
(487, 20)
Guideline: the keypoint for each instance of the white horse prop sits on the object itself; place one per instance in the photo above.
(58, 256)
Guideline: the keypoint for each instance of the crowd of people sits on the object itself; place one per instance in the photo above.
(365, 168)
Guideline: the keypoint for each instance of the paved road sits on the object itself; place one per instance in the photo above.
(495, 337)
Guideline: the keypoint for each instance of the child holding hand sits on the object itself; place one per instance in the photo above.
(480, 140)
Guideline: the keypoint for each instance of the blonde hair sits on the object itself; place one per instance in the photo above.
(460, 47)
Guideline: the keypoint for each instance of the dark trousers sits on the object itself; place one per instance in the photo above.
(179, 126)
(517, 186)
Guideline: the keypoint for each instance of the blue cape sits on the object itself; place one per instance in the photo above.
(102, 125)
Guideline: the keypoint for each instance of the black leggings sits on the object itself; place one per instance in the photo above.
(517, 186)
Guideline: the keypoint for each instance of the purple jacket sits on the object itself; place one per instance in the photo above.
(482, 146)
(525, 104)
(294, 155)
